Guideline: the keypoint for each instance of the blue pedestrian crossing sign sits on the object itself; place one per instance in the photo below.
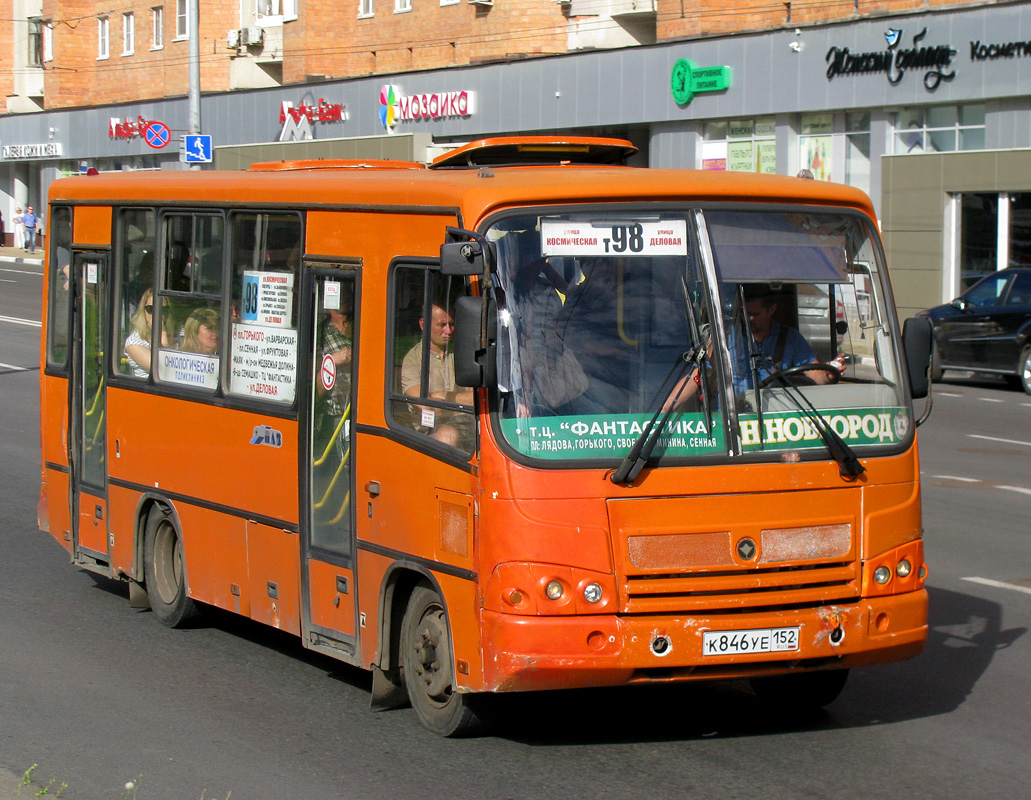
(196, 149)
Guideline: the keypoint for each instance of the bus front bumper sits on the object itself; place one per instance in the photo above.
(524, 653)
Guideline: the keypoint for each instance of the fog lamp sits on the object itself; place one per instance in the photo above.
(882, 575)
(904, 568)
(553, 590)
(592, 593)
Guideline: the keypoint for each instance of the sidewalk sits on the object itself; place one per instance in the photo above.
(12, 255)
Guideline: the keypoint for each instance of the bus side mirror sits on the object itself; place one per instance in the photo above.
(474, 363)
(461, 259)
(917, 339)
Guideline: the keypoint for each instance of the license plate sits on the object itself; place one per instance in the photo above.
(733, 643)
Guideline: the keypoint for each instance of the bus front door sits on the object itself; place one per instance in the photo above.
(327, 576)
(88, 429)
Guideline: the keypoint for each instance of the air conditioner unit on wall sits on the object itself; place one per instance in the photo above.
(252, 36)
(233, 38)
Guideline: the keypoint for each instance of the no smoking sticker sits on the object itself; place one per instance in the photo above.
(328, 373)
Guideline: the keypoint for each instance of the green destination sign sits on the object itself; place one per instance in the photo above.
(687, 80)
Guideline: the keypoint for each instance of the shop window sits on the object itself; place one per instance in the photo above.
(1020, 230)
(857, 150)
(743, 145)
(939, 129)
(423, 362)
(815, 145)
(979, 236)
(136, 244)
(266, 260)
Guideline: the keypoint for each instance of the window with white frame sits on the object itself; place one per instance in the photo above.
(289, 10)
(365, 8)
(400, 6)
(48, 41)
(857, 149)
(740, 145)
(128, 34)
(182, 19)
(816, 145)
(157, 35)
(103, 37)
(939, 129)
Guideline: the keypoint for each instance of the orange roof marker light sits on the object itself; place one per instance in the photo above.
(333, 164)
(536, 151)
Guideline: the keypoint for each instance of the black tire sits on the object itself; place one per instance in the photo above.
(427, 665)
(807, 691)
(1024, 370)
(164, 572)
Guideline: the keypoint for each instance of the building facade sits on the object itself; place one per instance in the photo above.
(925, 106)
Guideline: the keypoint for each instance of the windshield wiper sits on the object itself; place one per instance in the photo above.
(641, 449)
(849, 465)
(755, 356)
(701, 355)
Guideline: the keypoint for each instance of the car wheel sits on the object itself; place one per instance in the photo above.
(1024, 370)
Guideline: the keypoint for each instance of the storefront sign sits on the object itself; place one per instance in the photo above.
(128, 128)
(17, 152)
(398, 107)
(688, 80)
(982, 51)
(895, 61)
(297, 121)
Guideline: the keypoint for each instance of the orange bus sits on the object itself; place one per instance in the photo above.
(523, 419)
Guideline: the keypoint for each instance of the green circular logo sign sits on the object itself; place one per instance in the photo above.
(680, 81)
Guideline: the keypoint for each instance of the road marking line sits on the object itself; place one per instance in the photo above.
(956, 478)
(998, 584)
(22, 272)
(990, 400)
(979, 436)
(13, 367)
(7, 280)
(949, 394)
(18, 321)
(1021, 489)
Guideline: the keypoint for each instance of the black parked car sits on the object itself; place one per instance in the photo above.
(987, 329)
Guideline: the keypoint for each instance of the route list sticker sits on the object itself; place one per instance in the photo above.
(264, 362)
(268, 298)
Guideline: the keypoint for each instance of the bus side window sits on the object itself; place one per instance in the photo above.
(263, 285)
(59, 316)
(423, 362)
(136, 242)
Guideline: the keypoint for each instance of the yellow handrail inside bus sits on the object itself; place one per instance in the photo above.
(96, 398)
(343, 508)
(336, 475)
(333, 438)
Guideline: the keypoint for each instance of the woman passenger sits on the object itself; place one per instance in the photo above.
(137, 345)
(201, 332)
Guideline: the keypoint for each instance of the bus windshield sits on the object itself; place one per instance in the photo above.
(752, 328)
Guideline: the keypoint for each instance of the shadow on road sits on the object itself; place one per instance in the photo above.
(965, 633)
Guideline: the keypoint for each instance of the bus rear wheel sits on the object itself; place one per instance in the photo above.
(428, 668)
(164, 572)
(807, 691)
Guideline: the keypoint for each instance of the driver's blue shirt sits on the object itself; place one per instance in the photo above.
(796, 352)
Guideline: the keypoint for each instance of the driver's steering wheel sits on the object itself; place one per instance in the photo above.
(796, 376)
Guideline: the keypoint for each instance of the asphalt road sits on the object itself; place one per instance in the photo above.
(97, 694)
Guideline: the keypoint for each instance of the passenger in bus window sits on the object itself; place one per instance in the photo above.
(137, 344)
(457, 431)
(201, 332)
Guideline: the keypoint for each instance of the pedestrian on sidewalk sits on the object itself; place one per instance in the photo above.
(29, 221)
(19, 229)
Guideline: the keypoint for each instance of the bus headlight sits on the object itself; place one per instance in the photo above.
(592, 592)
(882, 575)
(904, 568)
(553, 591)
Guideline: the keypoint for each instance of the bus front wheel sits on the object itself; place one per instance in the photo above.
(805, 691)
(164, 572)
(428, 668)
